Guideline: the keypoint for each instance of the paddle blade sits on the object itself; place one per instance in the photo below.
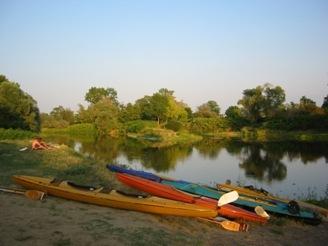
(34, 194)
(228, 198)
(234, 226)
(227, 224)
(261, 212)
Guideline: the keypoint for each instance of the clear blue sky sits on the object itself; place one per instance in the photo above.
(203, 50)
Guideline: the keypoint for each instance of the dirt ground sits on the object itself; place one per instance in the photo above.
(60, 222)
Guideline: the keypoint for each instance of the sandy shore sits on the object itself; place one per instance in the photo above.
(56, 221)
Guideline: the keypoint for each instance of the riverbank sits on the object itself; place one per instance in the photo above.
(265, 135)
(56, 221)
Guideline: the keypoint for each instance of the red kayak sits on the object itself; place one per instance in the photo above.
(166, 191)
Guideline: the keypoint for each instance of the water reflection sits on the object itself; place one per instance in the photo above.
(261, 164)
(265, 162)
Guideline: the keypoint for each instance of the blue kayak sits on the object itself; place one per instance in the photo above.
(290, 209)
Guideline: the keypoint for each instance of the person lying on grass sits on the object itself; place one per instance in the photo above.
(38, 143)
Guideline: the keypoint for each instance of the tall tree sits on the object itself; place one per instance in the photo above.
(95, 94)
(208, 110)
(105, 114)
(262, 102)
(307, 105)
(17, 108)
(235, 117)
(61, 113)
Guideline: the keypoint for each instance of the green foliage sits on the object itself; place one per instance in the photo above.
(208, 125)
(208, 110)
(95, 94)
(17, 108)
(15, 134)
(262, 102)
(59, 117)
(138, 125)
(174, 125)
(161, 106)
(61, 113)
(85, 129)
(130, 112)
(236, 118)
(298, 122)
(105, 116)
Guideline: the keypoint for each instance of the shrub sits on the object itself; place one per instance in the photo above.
(15, 134)
(208, 125)
(137, 126)
(174, 125)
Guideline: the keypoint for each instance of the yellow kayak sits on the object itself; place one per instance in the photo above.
(114, 199)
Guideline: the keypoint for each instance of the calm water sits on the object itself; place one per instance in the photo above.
(295, 170)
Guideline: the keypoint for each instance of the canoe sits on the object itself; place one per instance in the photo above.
(258, 194)
(114, 199)
(166, 191)
(277, 207)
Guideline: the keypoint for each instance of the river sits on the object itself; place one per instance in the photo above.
(289, 169)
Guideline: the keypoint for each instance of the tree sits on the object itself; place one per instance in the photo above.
(208, 110)
(129, 112)
(83, 115)
(3, 78)
(61, 113)
(325, 103)
(17, 108)
(262, 102)
(159, 104)
(307, 105)
(95, 94)
(105, 114)
(235, 117)
(274, 99)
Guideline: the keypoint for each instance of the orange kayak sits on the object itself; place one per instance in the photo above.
(166, 191)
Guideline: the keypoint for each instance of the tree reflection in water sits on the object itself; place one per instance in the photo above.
(261, 161)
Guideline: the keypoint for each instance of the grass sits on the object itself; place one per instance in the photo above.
(61, 162)
(321, 202)
(158, 137)
(15, 134)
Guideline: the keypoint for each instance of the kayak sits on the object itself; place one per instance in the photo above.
(265, 195)
(166, 191)
(114, 199)
(277, 207)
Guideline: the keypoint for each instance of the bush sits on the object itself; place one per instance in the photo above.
(139, 125)
(174, 125)
(300, 122)
(15, 134)
(208, 125)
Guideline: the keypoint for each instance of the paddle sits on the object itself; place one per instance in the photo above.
(31, 194)
(227, 224)
(261, 212)
(228, 198)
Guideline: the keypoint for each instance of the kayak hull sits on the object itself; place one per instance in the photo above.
(166, 191)
(278, 207)
(114, 199)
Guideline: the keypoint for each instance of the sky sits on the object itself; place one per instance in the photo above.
(201, 49)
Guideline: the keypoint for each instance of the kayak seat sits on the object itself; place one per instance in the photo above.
(132, 194)
(56, 181)
(83, 187)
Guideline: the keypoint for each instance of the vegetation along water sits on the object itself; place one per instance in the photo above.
(262, 140)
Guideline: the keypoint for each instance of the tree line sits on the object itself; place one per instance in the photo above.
(263, 106)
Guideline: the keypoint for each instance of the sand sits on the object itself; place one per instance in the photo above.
(57, 221)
